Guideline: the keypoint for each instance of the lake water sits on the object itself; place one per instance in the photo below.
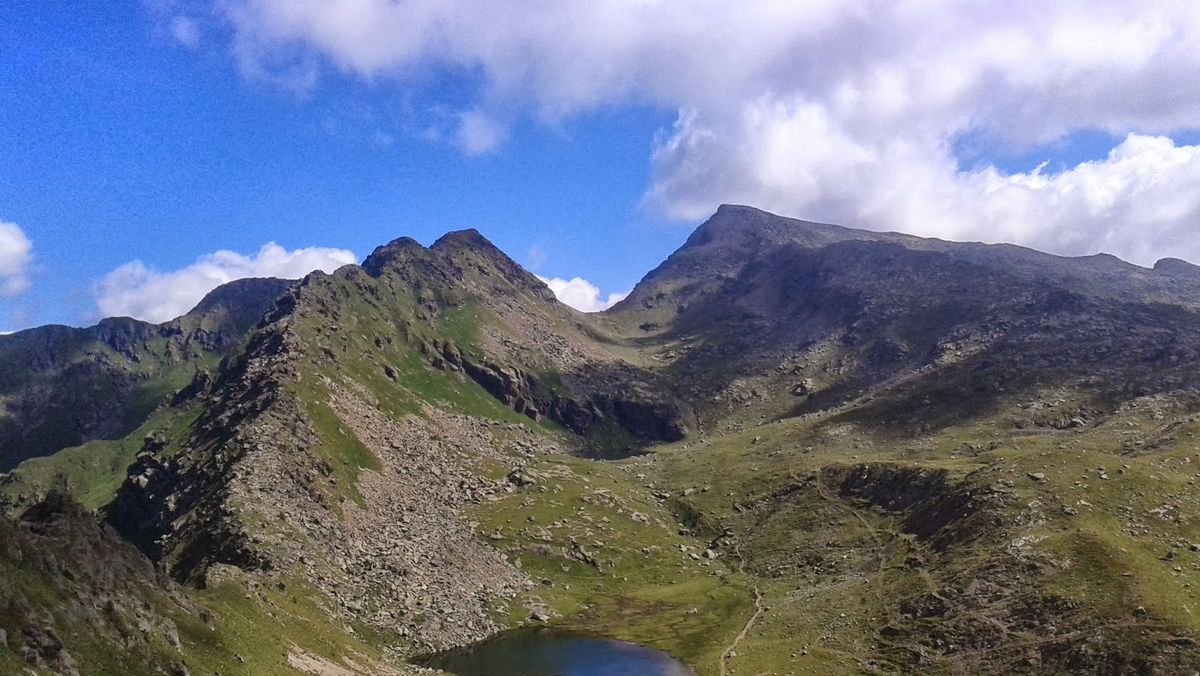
(550, 652)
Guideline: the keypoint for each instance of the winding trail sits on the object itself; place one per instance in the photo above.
(758, 611)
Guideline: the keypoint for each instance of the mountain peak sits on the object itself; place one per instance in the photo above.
(738, 236)
(387, 254)
(450, 244)
(457, 257)
(469, 238)
(750, 225)
(1176, 267)
(242, 296)
(728, 240)
(738, 208)
(468, 249)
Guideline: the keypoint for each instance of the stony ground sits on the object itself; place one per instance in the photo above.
(408, 558)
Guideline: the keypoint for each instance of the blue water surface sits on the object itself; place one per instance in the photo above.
(548, 652)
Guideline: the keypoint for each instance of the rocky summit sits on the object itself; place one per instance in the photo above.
(794, 448)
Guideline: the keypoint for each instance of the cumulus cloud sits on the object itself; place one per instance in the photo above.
(843, 110)
(1141, 202)
(581, 294)
(16, 255)
(135, 290)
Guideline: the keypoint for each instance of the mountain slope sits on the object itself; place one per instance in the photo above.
(795, 448)
(61, 387)
(77, 599)
(372, 409)
(934, 457)
(811, 316)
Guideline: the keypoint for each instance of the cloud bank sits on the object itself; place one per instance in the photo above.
(581, 294)
(135, 290)
(837, 110)
(16, 255)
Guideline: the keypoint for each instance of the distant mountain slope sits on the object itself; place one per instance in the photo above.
(810, 316)
(61, 386)
(736, 236)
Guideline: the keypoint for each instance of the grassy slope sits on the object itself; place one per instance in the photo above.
(644, 583)
(833, 570)
(93, 472)
(236, 627)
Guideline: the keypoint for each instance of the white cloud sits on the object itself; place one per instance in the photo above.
(134, 290)
(581, 294)
(1142, 202)
(186, 31)
(16, 255)
(479, 134)
(833, 109)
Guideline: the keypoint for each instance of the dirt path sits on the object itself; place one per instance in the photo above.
(758, 611)
(872, 532)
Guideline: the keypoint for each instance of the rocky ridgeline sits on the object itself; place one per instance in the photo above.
(258, 489)
(196, 506)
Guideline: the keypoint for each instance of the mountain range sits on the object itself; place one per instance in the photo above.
(793, 448)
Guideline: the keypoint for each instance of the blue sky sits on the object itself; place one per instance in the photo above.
(128, 146)
(586, 140)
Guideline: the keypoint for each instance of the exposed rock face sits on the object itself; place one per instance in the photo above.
(107, 591)
(190, 510)
(620, 397)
